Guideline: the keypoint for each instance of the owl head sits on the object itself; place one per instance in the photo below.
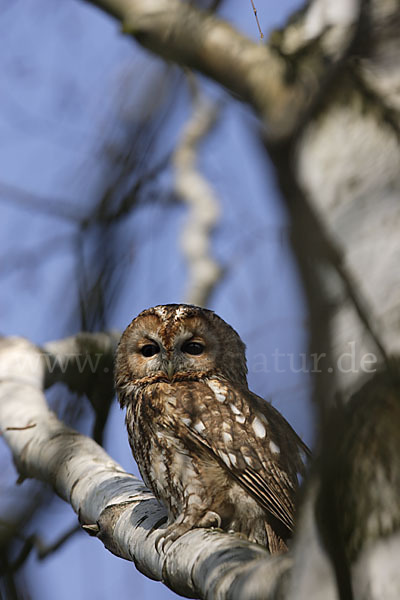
(177, 342)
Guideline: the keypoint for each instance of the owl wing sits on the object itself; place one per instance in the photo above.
(251, 440)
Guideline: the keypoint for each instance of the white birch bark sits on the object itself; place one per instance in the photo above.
(349, 163)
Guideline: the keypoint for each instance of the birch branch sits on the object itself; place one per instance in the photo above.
(75, 360)
(112, 504)
(195, 191)
(180, 32)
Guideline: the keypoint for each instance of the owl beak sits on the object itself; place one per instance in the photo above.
(170, 369)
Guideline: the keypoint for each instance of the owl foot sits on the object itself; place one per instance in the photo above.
(182, 525)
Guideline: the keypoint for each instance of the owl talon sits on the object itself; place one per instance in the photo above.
(211, 520)
(169, 535)
(163, 544)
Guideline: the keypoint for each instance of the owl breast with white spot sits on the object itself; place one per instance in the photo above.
(214, 453)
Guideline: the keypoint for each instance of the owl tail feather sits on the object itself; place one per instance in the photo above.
(276, 545)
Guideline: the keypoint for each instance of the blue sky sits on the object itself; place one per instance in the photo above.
(67, 76)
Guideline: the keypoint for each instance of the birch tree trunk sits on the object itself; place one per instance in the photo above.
(326, 90)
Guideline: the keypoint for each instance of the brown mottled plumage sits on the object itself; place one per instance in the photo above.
(214, 453)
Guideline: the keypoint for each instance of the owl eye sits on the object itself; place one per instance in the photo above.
(193, 348)
(149, 350)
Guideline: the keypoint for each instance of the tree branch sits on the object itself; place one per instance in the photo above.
(195, 191)
(114, 505)
(256, 73)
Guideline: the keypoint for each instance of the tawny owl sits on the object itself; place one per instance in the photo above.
(214, 453)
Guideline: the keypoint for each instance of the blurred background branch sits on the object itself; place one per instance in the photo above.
(195, 191)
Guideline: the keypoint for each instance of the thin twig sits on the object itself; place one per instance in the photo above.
(257, 21)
